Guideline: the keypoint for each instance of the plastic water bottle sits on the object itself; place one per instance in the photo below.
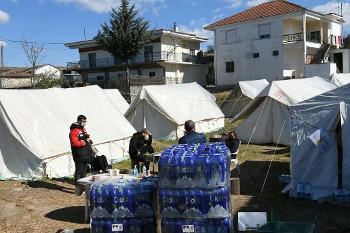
(144, 170)
(97, 225)
(200, 170)
(136, 172)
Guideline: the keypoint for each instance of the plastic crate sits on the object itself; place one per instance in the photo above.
(287, 227)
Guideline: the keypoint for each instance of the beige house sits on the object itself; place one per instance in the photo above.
(171, 54)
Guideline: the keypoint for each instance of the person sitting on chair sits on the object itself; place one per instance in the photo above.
(191, 136)
(231, 141)
(140, 144)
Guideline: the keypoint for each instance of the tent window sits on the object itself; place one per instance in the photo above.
(275, 53)
(256, 55)
(152, 74)
(230, 67)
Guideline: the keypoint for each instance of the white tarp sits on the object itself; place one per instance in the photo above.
(267, 117)
(163, 110)
(241, 97)
(118, 99)
(317, 163)
(340, 79)
(35, 126)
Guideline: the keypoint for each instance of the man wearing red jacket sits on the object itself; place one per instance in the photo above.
(81, 147)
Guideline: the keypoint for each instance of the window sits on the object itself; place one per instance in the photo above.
(192, 52)
(264, 31)
(148, 52)
(100, 78)
(231, 37)
(230, 67)
(92, 59)
(275, 53)
(152, 74)
(256, 55)
(315, 36)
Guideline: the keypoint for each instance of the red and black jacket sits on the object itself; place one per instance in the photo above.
(81, 148)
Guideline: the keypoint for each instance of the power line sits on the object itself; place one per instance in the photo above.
(30, 42)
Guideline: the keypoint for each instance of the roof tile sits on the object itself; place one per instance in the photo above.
(268, 9)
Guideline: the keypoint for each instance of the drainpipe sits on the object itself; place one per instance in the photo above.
(304, 40)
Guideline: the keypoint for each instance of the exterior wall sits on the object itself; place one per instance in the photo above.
(241, 53)
(293, 59)
(323, 70)
(195, 74)
(49, 70)
(15, 82)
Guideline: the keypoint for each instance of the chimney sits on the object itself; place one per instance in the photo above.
(2, 55)
(175, 29)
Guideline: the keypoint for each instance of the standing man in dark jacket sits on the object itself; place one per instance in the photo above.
(140, 144)
(191, 136)
(81, 147)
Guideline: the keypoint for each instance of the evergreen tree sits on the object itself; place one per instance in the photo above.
(126, 35)
(346, 42)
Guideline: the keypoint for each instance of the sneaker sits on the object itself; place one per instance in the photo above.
(79, 189)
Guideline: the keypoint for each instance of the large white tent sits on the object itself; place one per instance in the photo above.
(163, 110)
(35, 126)
(340, 79)
(316, 163)
(117, 99)
(267, 117)
(242, 96)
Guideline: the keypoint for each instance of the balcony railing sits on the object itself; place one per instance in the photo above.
(292, 38)
(153, 57)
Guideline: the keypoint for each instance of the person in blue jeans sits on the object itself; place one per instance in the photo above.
(191, 136)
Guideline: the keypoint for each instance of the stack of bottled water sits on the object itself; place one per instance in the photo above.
(122, 206)
(194, 188)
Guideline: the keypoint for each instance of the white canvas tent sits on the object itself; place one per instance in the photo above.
(317, 164)
(163, 109)
(241, 97)
(340, 79)
(267, 117)
(35, 126)
(117, 99)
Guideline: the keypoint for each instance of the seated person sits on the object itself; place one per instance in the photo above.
(191, 136)
(140, 144)
(99, 162)
(231, 141)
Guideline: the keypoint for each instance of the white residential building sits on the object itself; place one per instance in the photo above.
(170, 54)
(275, 40)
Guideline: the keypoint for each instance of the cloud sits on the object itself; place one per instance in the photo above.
(332, 7)
(4, 17)
(105, 6)
(253, 3)
(232, 4)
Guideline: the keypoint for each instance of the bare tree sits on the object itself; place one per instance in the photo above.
(33, 52)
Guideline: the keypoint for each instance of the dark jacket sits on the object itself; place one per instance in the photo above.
(193, 137)
(81, 148)
(137, 141)
(231, 143)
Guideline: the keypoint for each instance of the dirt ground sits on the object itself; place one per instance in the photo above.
(51, 206)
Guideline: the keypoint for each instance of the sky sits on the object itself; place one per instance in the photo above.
(51, 23)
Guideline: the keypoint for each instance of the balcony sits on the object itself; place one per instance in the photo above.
(164, 56)
(293, 38)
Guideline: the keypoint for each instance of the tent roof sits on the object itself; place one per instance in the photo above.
(289, 92)
(179, 102)
(118, 99)
(340, 79)
(252, 88)
(40, 119)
